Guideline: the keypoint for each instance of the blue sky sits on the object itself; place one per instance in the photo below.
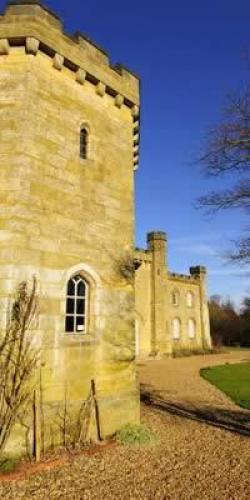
(189, 55)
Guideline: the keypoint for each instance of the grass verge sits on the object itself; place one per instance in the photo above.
(232, 379)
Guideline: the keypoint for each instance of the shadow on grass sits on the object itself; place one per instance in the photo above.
(237, 421)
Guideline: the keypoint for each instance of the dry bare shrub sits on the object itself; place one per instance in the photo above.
(19, 358)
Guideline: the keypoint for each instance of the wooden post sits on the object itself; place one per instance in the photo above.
(97, 415)
(41, 413)
(37, 426)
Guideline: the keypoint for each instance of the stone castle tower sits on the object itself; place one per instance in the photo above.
(69, 148)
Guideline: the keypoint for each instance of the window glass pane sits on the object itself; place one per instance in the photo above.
(71, 288)
(176, 328)
(81, 289)
(83, 143)
(191, 328)
(76, 305)
(69, 324)
(80, 323)
(175, 298)
(189, 299)
(70, 306)
(80, 306)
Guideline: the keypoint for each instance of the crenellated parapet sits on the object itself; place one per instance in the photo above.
(183, 278)
(142, 255)
(197, 273)
(29, 24)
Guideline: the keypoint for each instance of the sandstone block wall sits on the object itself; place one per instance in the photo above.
(62, 215)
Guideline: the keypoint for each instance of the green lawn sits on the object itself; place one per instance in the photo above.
(233, 380)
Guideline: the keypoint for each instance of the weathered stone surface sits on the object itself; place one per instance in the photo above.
(61, 215)
(81, 76)
(4, 47)
(119, 100)
(32, 45)
(58, 62)
(100, 89)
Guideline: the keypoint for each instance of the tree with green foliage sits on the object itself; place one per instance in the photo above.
(245, 323)
(229, 327)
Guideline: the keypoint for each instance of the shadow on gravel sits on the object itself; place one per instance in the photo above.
(237, 421)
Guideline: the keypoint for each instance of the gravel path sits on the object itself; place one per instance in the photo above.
(179, 380)
(191, 461)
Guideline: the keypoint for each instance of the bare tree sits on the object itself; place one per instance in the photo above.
(227, 153)
(19, 358)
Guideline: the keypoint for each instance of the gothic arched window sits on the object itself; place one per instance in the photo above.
(84, 136)
(76, 305)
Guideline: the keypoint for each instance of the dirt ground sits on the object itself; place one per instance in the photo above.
(193, 459)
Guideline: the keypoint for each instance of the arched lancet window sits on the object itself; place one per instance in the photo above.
(175, 298)
(76, 305)
(190, 299)
(84, 137)
(176, 328)
(191, 328)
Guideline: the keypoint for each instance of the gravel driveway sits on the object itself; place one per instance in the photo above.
(193, 460)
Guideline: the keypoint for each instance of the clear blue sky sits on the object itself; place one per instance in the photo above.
(189, 55)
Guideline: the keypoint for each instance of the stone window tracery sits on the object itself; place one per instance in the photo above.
(76, 305)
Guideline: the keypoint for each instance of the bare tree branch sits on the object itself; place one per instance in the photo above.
(227, 151)
(19, 358)
(242, 251)
(237, 197)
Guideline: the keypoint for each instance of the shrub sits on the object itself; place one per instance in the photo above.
(136, 434)
(8, 465)
(19, 358)
(181, 353)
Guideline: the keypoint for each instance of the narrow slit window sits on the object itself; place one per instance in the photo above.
(83, 143)
(76, 305)
(175, 298)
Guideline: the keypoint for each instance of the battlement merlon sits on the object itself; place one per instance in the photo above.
(198, 272)
(31, 19)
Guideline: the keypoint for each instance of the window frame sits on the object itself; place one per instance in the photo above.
(75, 297)
(84, 142)
(172, 328)
(190, 294)
(175, 294)
(191, 337)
